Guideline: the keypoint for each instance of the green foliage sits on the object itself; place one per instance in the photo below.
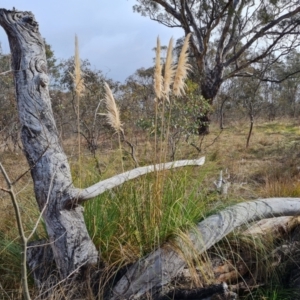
(186, 111)
(181, 114)
(145, 124)
(137, 217)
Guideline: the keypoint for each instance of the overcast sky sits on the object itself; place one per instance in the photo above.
(113, 38)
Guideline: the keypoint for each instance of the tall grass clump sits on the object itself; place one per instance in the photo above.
(130, 221)
(174, 76)
(121, 221)
(121, 224)
(171, 84)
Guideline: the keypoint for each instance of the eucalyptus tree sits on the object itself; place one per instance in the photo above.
(229, 36)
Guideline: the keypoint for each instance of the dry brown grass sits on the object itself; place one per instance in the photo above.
(281, 187)
(269, 166)
(272, 158)
(15, 165)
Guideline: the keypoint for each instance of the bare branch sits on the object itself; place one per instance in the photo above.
(6, 72)
(29, 169)
(117, 180)
(197, 32)
(263, 31)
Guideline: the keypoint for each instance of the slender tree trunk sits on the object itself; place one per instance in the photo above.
(251, 116)
(222, 113)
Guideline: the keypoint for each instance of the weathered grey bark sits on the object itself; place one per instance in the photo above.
(71, 244)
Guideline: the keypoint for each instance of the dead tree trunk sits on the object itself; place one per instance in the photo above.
(71, 244)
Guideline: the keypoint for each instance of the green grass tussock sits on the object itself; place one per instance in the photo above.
(134, 219)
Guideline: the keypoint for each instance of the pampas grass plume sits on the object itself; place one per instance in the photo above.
(77, 78)
(157, 74)
(169, 70)
(182, 69)
(113, 114)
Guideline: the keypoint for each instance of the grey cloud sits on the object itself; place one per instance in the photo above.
(111, 36)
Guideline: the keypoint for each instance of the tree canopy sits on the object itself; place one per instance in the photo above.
(230, 37)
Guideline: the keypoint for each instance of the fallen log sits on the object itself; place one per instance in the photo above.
(150, 274)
